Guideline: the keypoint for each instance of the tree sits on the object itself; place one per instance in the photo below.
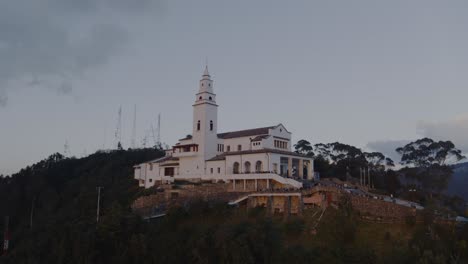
(378, 161)
(304, 147)
(425, 152)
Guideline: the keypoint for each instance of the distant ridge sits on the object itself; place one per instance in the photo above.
(458, 184)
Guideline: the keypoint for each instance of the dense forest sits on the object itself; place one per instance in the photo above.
(52, 211)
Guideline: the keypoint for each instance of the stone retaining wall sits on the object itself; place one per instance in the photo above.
(378, 208)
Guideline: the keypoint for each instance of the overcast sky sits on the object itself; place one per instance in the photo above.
(373, 74)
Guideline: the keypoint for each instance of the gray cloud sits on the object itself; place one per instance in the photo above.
(48, 39)
(455, 130)
(3, 97)
(65, 88)
(387, 147)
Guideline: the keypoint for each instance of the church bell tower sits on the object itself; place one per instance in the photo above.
(205, 118)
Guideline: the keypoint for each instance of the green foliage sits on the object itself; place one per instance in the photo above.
(304, 147)
(426, 152)
(65, 230)
(432, 179)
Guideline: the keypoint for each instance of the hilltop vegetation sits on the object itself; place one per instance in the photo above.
(64, 230)
(424, 178)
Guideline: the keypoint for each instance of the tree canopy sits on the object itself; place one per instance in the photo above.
(425, 152)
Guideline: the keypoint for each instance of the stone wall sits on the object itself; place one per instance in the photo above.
(382, 209)
(277, 204)
(181, 195)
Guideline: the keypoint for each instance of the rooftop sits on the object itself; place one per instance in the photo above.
(246, 133)
(265, 150)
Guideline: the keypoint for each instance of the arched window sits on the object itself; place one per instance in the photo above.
(258, 166)
(211, 125)
(247, 167)
(235, 168)
(198, 125)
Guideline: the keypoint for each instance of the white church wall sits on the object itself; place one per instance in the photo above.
(257, 145)
(242, 159)
(215, 168)
(191, 165)
(268, 142)
(206, 138)
(235, 142)
(282, 134)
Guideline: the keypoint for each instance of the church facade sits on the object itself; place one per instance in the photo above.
(259, 154)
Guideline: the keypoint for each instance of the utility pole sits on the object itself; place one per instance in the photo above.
(364, 176)
(368, 176)
(98, 203)
(133, 139)
(360, 176)
(6, 239)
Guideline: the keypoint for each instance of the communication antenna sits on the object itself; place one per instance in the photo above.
(118, 130)
(159, 129)
(66, 149)
(133, 140)
(144, 141)
(105, 139)
(153, 134)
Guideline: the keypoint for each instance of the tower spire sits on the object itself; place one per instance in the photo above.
(206, 73)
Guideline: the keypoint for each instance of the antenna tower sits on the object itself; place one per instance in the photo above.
(159, 129)
(133, 141)
(154, 135)
(118, 130)
(66, 149)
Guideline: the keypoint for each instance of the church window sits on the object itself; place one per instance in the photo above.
(211, 125)
(211, 170)
(239, 147)
(199, 98)
(151, 166)
(211, 98)
(228, 148)
(220, 148)
(247, 167)
(235, 168)
(258, 166)
(169, 171)
(198, 125)
(219, 170)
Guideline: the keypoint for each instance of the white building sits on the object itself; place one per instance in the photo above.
(253, 154)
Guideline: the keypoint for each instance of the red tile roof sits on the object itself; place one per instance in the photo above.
(265, 150)
(246, 133)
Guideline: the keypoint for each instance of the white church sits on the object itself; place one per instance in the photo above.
(260, 154)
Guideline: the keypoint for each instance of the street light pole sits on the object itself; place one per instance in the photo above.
(98, 203)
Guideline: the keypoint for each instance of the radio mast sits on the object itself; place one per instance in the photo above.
(133, 140)
(118, 130)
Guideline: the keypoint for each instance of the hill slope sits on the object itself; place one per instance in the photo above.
(63, 192)
(458, 184)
